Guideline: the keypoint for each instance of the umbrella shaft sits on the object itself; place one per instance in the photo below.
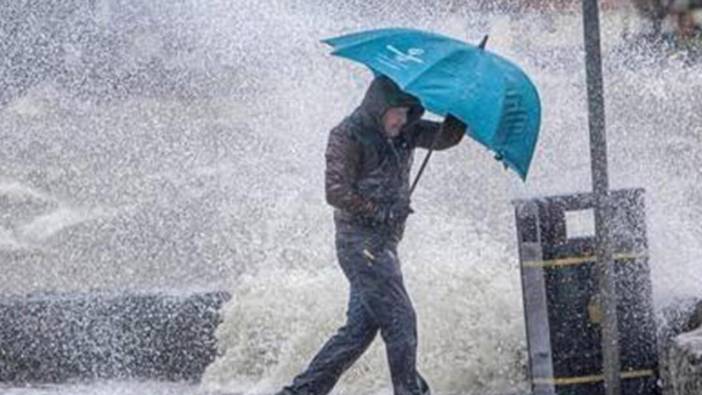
(421, 170)
(426, 159)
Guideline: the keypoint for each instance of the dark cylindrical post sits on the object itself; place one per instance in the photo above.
(600, 184)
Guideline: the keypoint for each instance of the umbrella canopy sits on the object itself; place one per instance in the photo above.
(494, 97)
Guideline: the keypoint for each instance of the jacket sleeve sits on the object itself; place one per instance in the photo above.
(452, 130)
(342, 162)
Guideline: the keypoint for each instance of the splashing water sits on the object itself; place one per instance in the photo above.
(217, 182)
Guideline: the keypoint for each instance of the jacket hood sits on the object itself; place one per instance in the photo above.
(383, 94)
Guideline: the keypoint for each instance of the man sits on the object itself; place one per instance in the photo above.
(369, 156)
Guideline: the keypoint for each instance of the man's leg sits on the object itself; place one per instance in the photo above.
(384, 294)
(342, 349)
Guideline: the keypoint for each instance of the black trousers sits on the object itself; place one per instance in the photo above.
(378, 302)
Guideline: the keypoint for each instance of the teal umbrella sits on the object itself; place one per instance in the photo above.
(494, 97)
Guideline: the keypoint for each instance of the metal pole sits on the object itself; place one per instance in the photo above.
(600, 184)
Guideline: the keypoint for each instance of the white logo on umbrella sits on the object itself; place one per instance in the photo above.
(412, 55)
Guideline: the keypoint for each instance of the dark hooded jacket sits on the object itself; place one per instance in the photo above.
(365, 169)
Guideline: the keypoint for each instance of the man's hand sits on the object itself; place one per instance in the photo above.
(453, 125)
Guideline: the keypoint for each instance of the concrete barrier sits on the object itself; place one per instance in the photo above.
(54, 338)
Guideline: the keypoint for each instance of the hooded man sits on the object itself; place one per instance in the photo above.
(367, 181)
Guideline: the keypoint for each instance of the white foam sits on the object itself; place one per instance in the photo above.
(8, 240)
(17, 189)
(49, 224)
